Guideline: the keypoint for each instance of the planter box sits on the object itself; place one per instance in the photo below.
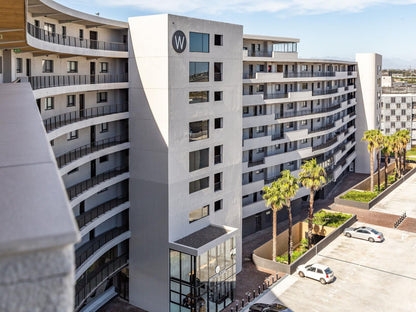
(262, 255)
(363, 185)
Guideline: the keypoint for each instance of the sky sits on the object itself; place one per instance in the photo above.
(335, 29)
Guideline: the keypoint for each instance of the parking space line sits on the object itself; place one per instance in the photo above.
(368, 267)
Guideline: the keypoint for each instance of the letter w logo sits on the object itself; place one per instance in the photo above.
(179, 41)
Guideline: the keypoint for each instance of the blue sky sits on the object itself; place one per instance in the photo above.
(326, 28)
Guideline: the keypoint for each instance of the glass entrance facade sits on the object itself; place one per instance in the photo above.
(204, 283)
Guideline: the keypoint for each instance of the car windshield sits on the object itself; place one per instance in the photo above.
(374, 231)
(328, 271)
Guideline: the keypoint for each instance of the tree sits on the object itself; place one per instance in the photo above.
(404, 136)
(312, 176)
(379, 138)
(387, 150)
(275, 200)
(288, 186)
(371, 136)
(395, 144)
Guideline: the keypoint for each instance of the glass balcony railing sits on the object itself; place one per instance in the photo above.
(55, 38)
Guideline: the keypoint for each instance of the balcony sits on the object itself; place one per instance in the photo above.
(41, 82)
(327, 127)
(81, 187)
(55, 38)
(268, 96)
(325, 91)
(308, 112)
(58, 121)
(86, 286)
(89, 248)
(307, 74)
(259, 53)
(255, 163)
(324, 145)
(88, 149)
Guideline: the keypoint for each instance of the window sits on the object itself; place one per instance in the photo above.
(198, 42)
(104, 127)
(387, 118)
(303, 122)
(393, 100)
(49, 103)
(393, 112)
(260, 150)
(50, 28)
(81, 34)
(245, 110)
(47, 66)
(72, 135)
(318, 85)
(303, 141)
(260, 88)
(304, 68)
(198, 97)
(1, 65)
(198, 130)
(218, 40)
(198, 159)
(103, 67)
(289, 106)
(19, 65)
(72, 66)
(64, 32)
(218, 154)
(289, 124)
(387, 105)
(218, 123)
(198, 71)
(73, 171)
(277, 87)
(198, 185)
(103, 158)
(102, 97)
(403, 125)
(218, 96)
(403, 99)
(260, 129)
(70, 100)
(199, 213)
(217, 71)
(403, 112)
(304, 86)
(218, 181)
(218, 205)
(304, 104)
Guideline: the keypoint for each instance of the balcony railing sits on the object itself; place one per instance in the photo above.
(259, 53)
(256, 163)
(61, 120)
(51, 37)
(41, 82)
(324, 145)
(268, 96)
(308, 112)
(89, 248)
(92, 280)
(88, 149)
(327, 127)
(79, 188)
(325, 91)
(306, 74)
(92, 214)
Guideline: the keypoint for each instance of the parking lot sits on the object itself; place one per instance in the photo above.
(369, 277)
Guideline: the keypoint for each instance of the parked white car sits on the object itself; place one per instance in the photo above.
(364, 232)
(316, 271)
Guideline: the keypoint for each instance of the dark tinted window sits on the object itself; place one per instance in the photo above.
(198, 159)
(198, 42)
(198, 71)
(198, 185)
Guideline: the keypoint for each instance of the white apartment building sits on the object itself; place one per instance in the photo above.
(165, 130)
(293, 110)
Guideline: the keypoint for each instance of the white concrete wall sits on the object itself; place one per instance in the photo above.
(368, 105)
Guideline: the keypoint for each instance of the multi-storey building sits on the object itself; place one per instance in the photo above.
(165, 130)
(76, 65)
(294, 110)
(398, 110)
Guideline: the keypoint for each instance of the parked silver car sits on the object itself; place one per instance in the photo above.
(316, 271)
(364, 232)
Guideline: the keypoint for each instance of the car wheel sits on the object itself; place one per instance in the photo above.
(348, 234)
(301, 274)
(323, 282)
(371, 240)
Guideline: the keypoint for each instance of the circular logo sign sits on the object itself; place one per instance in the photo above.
(179, 41)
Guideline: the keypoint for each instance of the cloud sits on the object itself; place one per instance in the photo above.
(291, 7)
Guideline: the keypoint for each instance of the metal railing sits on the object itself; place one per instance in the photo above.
(51, 37)
(61, 120)
(255, 163)
(325, 91)
(308, 74)
(88, 149)
(324, 145)
(327, 127)
(89, 248)
(41, 82)
(79, 188)
(92, 280)
(308, 112)
(259, 53)
(275, 96)
(92, 214)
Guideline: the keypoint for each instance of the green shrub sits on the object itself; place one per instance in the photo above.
(303, 247)
(331, 219)
(360, 196)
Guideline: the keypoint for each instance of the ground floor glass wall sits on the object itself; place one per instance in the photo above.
(204, 283)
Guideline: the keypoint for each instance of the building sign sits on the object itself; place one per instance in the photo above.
(179, 41)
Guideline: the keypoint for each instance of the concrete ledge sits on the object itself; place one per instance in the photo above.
(268, 264)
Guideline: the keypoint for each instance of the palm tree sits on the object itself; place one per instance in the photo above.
(404, 135)
(274, 199)
(312, 176)
(371, 137)
(395, 146)
(288, 187)
(387, 150)
(399, 143)
(379, 138)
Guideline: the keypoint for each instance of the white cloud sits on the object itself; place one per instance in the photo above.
(291, 7)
